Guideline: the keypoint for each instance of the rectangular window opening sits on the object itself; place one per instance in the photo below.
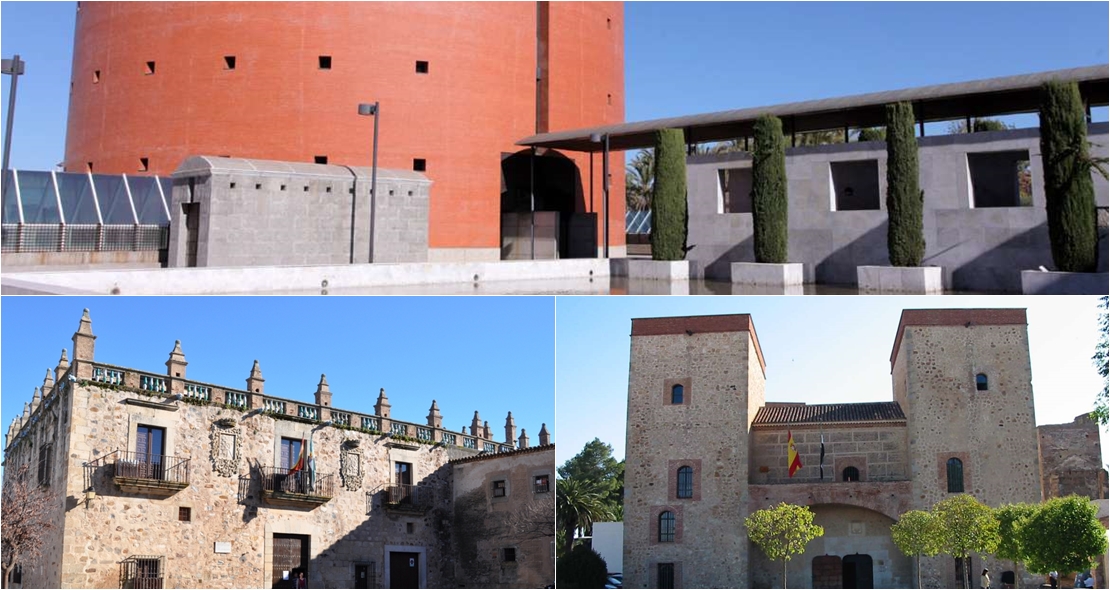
(735, 190)
(421, 67)
(283, 187)
(144, 164)
(324, 61)
(185, 514)
(409, 528)
(258, 186)
(229, 62)
(233, 185)
(320, 159)
(149, 70)
(499, 488)
(542, 484)
(854, 185)
(508, 554)
(1000, 179)
(96, 76)
(419, 164)
(327, 189)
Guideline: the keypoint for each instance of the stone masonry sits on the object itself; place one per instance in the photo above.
(961, 392)
(207, 511)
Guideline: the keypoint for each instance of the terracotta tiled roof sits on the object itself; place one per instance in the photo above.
(779, 413)
(484, 456)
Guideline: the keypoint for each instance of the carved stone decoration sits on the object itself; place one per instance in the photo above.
(350, 468)
(225, 449)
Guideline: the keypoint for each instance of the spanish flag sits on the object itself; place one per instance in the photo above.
(300, 465)
(792, 457)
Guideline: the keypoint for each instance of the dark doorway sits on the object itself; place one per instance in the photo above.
(149, 441)
(290, 559)
(858, 572)
(557, 185)
(404, 570)
(828, 572)
(192, 223)
(364, 576)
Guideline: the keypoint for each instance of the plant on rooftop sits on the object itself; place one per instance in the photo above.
(1068, 189)
(904, 198)
(669, 214)
(769, 207)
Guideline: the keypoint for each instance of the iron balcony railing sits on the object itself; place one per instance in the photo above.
(284, 481)
(406, 494)
(154, 467)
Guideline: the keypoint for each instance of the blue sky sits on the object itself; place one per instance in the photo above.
(694, 57)
(818, 350)
(491, 354)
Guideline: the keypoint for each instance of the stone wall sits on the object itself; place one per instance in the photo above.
(707, 432)
(523, 520)
(980, 249)
(1071, 459)
(878, 452)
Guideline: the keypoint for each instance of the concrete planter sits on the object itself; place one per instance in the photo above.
(1036, 282)
(766, 274)
(922, 280)
(652, 270)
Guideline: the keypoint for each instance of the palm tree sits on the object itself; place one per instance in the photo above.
(638, 179)
(578, 504)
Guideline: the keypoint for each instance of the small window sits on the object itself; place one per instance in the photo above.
(419, 164)
(1000, 179)
(608, 23)
(96, 76)
(499, 489)
(851, 474)
(229, 62)
(283, 187)
(232, 185)
(955, 476)
(676, 394)
(685, 482)
(855, 185)
(46, 460)
(608, 99)
(666, 527)
(666, 575)
(144, 164)
(508, 554)
(257, 187)
(421, 67)
(16, 577)
(185, 514)
(324, 61)
(327, 189)
(981, 382)
(542, 484)
(149, 70)
(306, 190)
(409, 528)
(320, 159)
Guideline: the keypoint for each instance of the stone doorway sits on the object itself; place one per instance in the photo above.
(290, 559)
(828, 571)
(858, 571)
(404, 570)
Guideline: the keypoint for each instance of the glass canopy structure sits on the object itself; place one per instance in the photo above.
(73, 212)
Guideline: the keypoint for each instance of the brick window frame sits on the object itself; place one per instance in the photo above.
(655, 512)
(942, 472)
(842, 463)
(653, 573)
(672, 479)
(686, 392)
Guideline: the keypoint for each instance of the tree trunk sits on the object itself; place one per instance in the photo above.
(784, 574)
(7, 572)
(919, 571)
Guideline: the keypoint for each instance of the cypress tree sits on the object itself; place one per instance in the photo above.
(668, 209)
(769, 209)
(905, 235)
(1068, 190)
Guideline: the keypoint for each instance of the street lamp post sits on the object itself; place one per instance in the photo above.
(14, 68)
(374, 110)
(604, 140)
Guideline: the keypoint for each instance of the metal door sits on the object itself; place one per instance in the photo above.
(404, 570)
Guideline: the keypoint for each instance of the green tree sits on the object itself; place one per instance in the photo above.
(782, 532)
(581, 568)
(769, 208)
(917, 533)
(1062, 534)
(1011, 518)
(638, 180)
(904, 199)
(578, 504)
(669, 215)
(871, 134)
(595, 465)
(1069, 192)
(966, 526)
(978, 126)
(1101, 361)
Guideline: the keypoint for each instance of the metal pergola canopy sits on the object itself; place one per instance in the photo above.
(943, 102)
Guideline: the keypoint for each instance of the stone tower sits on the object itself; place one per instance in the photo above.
(694, 387)
(963, 380)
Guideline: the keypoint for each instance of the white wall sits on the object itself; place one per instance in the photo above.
(608, 541)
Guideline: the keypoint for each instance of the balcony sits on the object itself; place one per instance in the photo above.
(141, 473)
(299, 489)
(406, 498)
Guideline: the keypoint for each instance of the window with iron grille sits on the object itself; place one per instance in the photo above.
(685, 482)
(46, 460)
(508, 554)
(185, 514)
(955, 476)
(142, 571)
(666, 527)
(851, 474)
(499, 489)
(542, 484)
(665, 575)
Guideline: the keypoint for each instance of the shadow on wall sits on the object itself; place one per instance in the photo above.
(997, 268)
(839, 267)
(721, 268)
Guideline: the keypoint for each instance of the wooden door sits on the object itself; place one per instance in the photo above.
(404, 570)
(290, 554)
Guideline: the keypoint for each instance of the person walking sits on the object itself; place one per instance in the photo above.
(301, 581)
(984, 579)
(1053, 578)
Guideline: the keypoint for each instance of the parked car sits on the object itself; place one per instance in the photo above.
(615, 580)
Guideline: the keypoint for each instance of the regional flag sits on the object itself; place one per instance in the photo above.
(792, 457)
(300, 461)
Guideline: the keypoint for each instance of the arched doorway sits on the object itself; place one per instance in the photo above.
(563, 228)
(857, 571)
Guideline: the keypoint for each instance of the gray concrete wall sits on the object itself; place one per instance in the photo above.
(258, 213)
(980, 249)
